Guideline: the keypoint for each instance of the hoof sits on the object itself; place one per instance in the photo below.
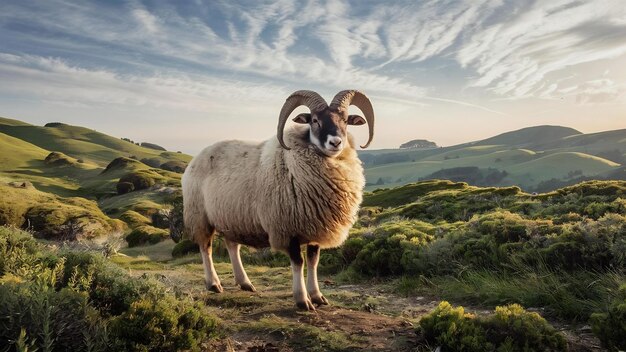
(306, 305)
(319, 300)
(247, 287)
(217, 288)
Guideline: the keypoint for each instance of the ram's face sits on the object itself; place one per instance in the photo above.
(328, 129)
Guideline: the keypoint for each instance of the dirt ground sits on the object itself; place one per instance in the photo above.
(369, 317)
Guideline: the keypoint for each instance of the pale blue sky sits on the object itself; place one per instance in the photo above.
(186, 74)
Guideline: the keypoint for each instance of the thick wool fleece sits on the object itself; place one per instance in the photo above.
(260, 194)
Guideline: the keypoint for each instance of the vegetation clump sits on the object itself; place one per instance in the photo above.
(509, 328)
(120, 163)
(174, 166)
(124, 187)
(146, 234)
(185, 247)
(152, 162)
(138, 180)
(59, 159)
(75, 301)
(55, 124)
(152, 146)
(51, 216)
(610, 327)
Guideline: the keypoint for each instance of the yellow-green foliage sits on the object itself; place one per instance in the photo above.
(162, 325)
(610, 327)
(81, 302)
(146, 234)
(510, 328)
(82, 143)
(185, 247)
(134, 219)
(47, 214)
(386, 249)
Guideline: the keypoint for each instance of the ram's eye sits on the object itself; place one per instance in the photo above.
(316, 121)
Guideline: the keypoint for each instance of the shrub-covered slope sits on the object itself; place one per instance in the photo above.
(72, 301)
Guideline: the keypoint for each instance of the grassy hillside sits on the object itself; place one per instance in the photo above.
(62, 161)
(534, 157)
(531, 136)
(52, 216)
(83, 143)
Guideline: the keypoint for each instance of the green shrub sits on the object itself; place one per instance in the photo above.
(177, 225)
(162, 325)
(152, 146)
(77, 301)
(134, 219)
(185, 247)
(152, 162)
(139, 180)
(610, 327)
(49, 215)
(124, 187)
(174, 166)
(145, 234)
(390, 249)
(160, 219)
(510, 328)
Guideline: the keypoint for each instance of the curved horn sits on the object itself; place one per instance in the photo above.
(345, 98)
(309, 98)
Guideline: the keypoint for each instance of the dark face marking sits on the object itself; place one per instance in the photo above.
(329, 129)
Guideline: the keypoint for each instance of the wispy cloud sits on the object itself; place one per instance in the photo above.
(54, 80)
(206, 55)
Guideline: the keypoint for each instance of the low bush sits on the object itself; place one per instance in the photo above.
(174, 165)
(161, 219)
(50, 215)
(610, 327)
(139, 180)
(152, 146)
(152, 162)
(77, 301)
(124, 187)
(510, 328)
(145, 234)
(177, 226)
(185, 247)
(134, 219)
(163, 325)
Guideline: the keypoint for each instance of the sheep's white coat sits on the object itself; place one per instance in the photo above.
(260, 194)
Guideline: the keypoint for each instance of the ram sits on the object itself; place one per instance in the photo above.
(302, 187)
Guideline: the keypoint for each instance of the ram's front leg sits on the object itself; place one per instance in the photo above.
(297, 270)
(312, 258)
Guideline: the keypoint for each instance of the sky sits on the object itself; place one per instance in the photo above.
(185, 74)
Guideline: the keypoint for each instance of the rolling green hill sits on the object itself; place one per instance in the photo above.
(531, 158)
(83, 143)
(59, 160)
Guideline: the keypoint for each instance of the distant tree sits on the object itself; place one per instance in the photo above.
(418, 144)
(152, 146)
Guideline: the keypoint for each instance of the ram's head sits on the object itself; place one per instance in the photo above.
(328, 123)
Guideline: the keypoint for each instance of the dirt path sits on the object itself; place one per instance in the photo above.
(360, 317)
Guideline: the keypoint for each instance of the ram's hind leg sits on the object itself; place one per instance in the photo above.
(205, 241)
(312, 258)
(241, 278)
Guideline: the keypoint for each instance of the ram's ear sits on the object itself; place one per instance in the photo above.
(302, 118)
(355, 120)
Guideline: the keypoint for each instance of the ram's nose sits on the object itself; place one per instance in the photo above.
(334, 141)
